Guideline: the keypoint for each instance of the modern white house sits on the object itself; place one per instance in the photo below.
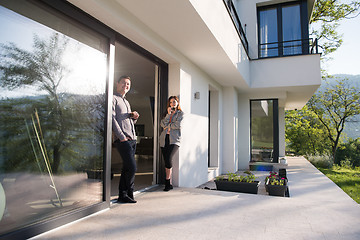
(236, 66)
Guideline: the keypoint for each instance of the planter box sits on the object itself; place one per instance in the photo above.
(276, 190)
(242, 187)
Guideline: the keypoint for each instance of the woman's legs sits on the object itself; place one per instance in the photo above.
(168, 172)
(168, 153)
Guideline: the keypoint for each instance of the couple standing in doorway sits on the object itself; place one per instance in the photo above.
(123, 120)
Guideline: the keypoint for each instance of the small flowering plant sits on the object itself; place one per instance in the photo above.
(272, 176)
(280, 182)
(274, 179)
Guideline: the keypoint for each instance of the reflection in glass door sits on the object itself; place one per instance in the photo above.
(52, 93)
(264, 131)
(142, 98)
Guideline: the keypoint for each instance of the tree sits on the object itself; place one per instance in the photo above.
(305, 135)
(43, 69)
(325, 20)
(67, 120)
(335, 106)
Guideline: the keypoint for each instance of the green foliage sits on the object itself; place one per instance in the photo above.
(71, 125)
(333, 107)
(321, 161)
(348, 154)
(325, 20)
(305, 135)
(317, 129)
(279, 182)
(233, 177)
(42, 67)
(348, 179)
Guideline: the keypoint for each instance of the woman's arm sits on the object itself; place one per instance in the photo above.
(164, 123)
(176, 122)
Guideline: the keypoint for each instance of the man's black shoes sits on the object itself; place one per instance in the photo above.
(126, 199)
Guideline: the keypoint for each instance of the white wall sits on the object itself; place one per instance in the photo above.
(248, 16)
(230, 130)
(190, 168)
(301, 70)
(193, 151)
(222, 28)
(281, 132)
(244, 132)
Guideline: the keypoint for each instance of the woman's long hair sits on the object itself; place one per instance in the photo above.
(168, 104)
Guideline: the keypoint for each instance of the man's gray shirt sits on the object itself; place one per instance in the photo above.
(122, 123)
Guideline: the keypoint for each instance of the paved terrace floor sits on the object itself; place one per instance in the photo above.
(317, 209)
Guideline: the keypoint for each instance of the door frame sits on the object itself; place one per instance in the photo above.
(161, 93)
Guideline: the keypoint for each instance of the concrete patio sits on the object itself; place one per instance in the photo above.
(317, 209)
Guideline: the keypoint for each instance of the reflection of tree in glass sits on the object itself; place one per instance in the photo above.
(66, 119)
(42, 68)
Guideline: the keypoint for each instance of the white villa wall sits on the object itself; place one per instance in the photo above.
(281, 132)
(230, 130)
(248, 17)
(192, 169)
(244, 132)
(266, 72)
(238, 81)
(226, 36)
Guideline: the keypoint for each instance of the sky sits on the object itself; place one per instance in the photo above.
(346, 59)
(87, 65)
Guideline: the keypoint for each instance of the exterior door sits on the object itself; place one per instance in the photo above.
(142, 97)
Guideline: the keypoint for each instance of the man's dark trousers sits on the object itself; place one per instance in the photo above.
(127, 152)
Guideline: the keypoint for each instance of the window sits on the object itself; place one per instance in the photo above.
(52, 106)
(269, 41)
(283, 30)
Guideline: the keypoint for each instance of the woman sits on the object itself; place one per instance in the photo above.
(170, 136)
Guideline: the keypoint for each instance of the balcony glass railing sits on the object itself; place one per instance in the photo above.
(236, 20)
(288, 48)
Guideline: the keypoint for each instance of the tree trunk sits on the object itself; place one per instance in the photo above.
(56, 161)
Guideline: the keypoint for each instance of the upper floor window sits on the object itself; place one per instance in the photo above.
(283, 30)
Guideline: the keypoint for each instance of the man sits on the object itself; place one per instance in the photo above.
(125, 139)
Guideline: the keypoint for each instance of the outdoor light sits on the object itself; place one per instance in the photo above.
(197, 95)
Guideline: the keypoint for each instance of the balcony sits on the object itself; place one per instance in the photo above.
(288, 48)
(236, 20)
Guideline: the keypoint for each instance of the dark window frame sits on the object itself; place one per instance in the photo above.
(305, 41)
(275, 127)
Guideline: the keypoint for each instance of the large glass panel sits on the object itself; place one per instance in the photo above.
(291, 30)
(262, 125)
(142, 99)
(268, 33)
(52, 98)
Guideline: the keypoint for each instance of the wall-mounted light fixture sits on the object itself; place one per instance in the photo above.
(197, 95)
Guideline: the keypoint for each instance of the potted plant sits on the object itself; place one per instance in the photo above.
(272, 175)
(275, 185)
(233, 182)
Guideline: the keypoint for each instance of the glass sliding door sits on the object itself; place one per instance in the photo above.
(264, 130)
(52, 106)
(143, 99)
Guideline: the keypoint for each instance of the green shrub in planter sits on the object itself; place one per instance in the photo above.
(237, 183)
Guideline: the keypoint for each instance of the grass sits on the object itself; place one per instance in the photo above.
(348, 179)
